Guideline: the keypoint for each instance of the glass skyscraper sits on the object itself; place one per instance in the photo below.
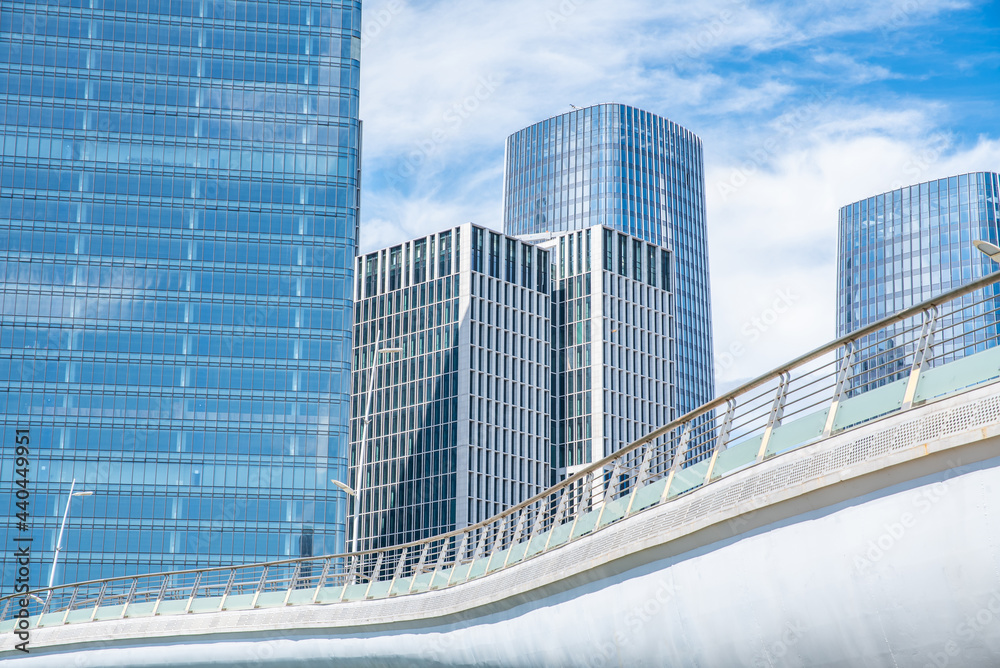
(178, 221)
(902, 247)
(635, 172)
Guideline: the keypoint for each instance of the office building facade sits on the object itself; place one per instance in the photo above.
(179, 210)
(639, 174)
(458, 423)
(908, 245)
(613, 351)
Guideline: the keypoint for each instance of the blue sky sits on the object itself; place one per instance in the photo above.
(802, 107)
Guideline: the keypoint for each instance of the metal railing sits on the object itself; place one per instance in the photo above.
(874, 371)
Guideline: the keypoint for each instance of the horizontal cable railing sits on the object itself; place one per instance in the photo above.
(875, 371)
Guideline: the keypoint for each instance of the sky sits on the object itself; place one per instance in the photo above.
(802, 108)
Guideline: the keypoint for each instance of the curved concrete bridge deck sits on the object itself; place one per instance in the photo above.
(851, 525)
(878, 547)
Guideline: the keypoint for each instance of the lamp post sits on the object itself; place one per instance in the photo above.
(363, 447)
(55, 559)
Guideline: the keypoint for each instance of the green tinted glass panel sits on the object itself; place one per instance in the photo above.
(796, 433)
(736, 457)
(870, 405)
(615, 510)
(689, 478)
(957, 376)
(648, 495)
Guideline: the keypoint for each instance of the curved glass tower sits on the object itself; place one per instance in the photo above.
(902, 247)
(635, 172)
(178, 219)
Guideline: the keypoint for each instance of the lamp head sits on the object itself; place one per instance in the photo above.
(344, 487)
(992, 251)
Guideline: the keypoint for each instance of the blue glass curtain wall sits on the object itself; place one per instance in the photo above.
(178, 220)
(634, 171)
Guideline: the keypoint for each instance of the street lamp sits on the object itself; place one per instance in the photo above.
(55, 559)
(988, 249)
(344, 487)
(363, 448)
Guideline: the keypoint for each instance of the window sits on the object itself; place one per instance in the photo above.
(420, 261)
(395, 268)
(371, 277)
(477, 249)
(651, 265)
(510, 260)
(622, 255)
(526, 253)
(494, 255)
(444, 261)
(609, 243)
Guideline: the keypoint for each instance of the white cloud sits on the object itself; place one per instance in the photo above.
(444, 82)
(778, 235)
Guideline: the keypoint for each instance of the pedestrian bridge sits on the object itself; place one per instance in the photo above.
(838, 511)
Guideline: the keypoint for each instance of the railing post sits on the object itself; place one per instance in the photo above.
(398, 570)
(291, 584)
(260, 588)
(640, 477)
(349, 580)
(838, 393)
(72, 600)
(498, 541)
(480, 544)
(6, 607)
(777, 411)
(720, 442)
(45, 606)
(159, 596)
(322, 579)
(100, 597)
(679, 454)
(131, 595)
(375, 572)
(516, 537)
(420, 565)
(440, 561)
(560, 509)
(609, 488)
(920, 356)
(459, 554)
(229, 588)
(194, 592)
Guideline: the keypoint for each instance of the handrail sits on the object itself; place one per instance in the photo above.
(595, 473)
